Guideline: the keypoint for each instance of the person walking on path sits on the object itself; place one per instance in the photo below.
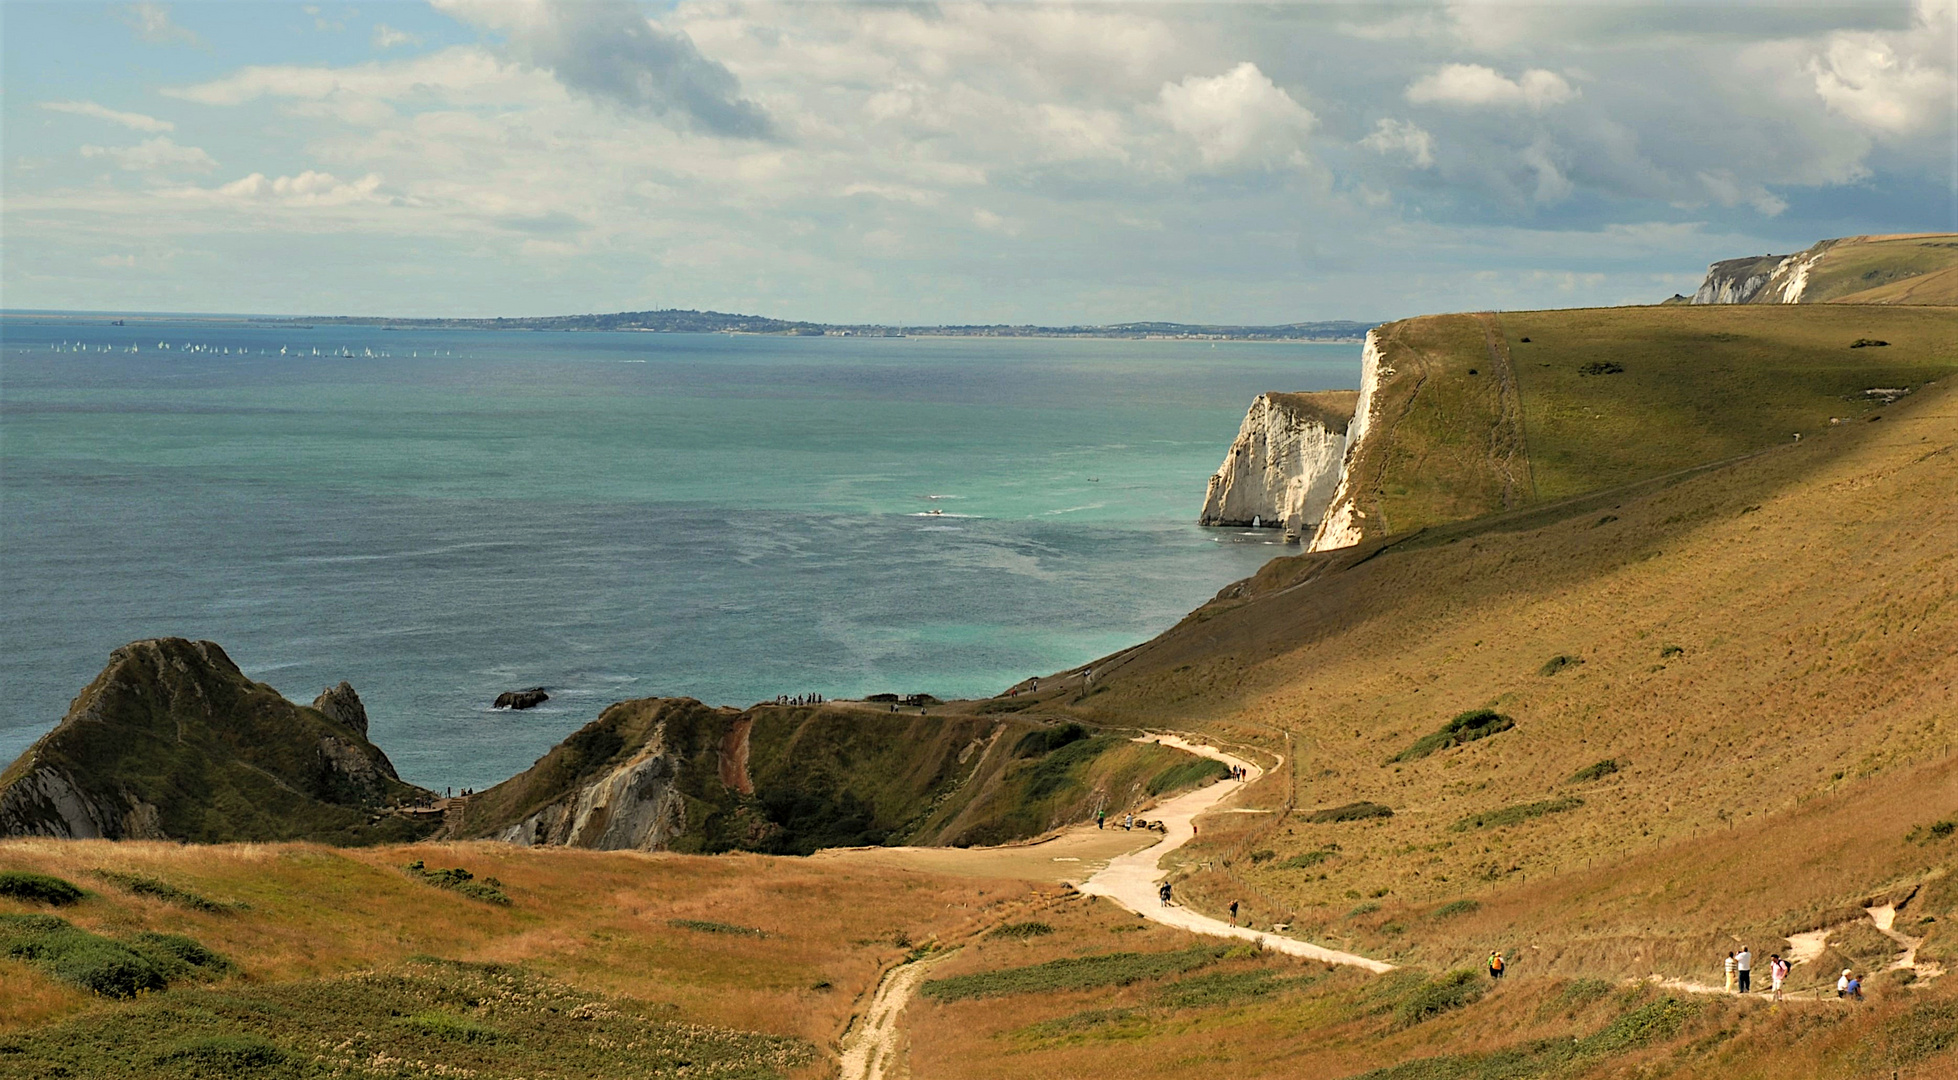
(1163, 893)
(1495, 965)
(1101, 818)
(1733, 969)
(1744, 967)
(1233, 913)
(1777, 973)
(1128, 821)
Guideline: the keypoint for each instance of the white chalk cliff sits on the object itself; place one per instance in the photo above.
(1769, 279)
(1282, 468)
(1340, 525)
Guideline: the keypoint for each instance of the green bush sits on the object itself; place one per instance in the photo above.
(1355, 811)
(1075, 973)
(1047, 740)
(1309, 859)
(1667, 652)
(449, 1026)
(71, 954)
(228, 1055)
(179, 957)
(1023, 930)
(1558, 663)
(1516, 815)
(1457, 907)
(488, 890)
(1598, 771)
(1936, 830)
(1464, 728)
(1226, 988)
(1445, 994)
(1188, 774)
(1263, 855)
(38, 888)
(705, 926)
(162, 890)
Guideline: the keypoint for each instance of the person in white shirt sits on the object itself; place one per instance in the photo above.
(1732, 967)
(1744, 966)
(1842, 984)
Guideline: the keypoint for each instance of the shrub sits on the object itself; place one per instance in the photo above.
(1075, 973)
(1367, 908)
(1188, 774)
(1457, 907)
(1584, 991)
(488, 890)
(71, 954)
(1023, 930)
(1309, 859)
(1558, 663)
(1936, 830)
(178, 956)
(1263, 855)
(443, 1025)
(1667, 652)
(1516, 815)
(1437, 996)
(161, 890)
(1464, 728)
(1225, 988)
(1355, 811)
(1596, 772)
(1601, 367)
(1047, 740)
(228, 1054)
(38, 888)
(705, 926)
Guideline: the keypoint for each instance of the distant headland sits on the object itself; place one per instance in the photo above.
(676, 321)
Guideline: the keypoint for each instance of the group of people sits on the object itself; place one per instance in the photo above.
(800, 699)
(1239, 772)
(1740, 973)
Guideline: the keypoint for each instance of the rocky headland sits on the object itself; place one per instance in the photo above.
(1282, 468)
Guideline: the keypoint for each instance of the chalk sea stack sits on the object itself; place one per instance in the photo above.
(173, 742)
(1281, 469)
(521, 699)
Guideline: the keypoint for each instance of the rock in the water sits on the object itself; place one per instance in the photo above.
(522, 699)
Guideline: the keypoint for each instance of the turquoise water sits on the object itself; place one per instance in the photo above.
(608, 515)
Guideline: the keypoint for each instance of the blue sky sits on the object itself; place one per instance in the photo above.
(961, 162)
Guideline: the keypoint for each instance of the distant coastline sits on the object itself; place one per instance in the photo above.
(675, 321)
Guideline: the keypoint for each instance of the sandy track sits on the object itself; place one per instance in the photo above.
(870, 1049)
(1131, 879)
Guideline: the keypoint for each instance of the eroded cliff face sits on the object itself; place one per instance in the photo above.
(1768, 279)
(1283, 467)
(1340, 525)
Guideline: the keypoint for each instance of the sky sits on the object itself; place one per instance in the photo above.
(951, 163)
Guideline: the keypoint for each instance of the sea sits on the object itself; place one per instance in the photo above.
(437, 516)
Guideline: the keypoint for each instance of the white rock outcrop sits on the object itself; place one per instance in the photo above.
(1283, 466)
(1340, 525)
(1769, 279)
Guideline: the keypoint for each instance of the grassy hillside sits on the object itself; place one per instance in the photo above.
(1478, 414)
(1878, 269)
(790, 780)
(172, 740)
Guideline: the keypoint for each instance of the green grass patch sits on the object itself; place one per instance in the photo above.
(1187, 774)
(1309, 859)
(103, 965)
(1227, 988)
(163, 890)
(1022, 930)
(1102, 1023)
(1655, 1022)
(1047, 740)
(1440, 995)
(1074, 973)
(708, 926)
(1516, 815)
(474, 1019)
(488, 890)
(1558, 663)
(1464, 728)
(39, 888)
(1597, 771)
(1353, 811)
(1457, 907)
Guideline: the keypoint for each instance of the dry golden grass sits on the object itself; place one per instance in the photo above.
(595, 919)
(1770, 649)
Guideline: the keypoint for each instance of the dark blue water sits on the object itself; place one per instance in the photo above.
(609, 515)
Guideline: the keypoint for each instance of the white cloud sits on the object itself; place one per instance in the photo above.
(151, 21)
(116, 262)
(1392, 136)
(1239, 117)
(1729, 190)
(1862, 77)
(309, 188)
(463, 75)
(158, 155)
(1474, 85)
(1552, 185)
(133, 121)
(387, 37)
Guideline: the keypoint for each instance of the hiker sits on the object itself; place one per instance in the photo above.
(1128, 821)
(1164, 893)
(1777, 973)
(1101, 819)
(1233, 913)
(1849, 986)
(1744, 967)
(1733, 968)
(1495, 965)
